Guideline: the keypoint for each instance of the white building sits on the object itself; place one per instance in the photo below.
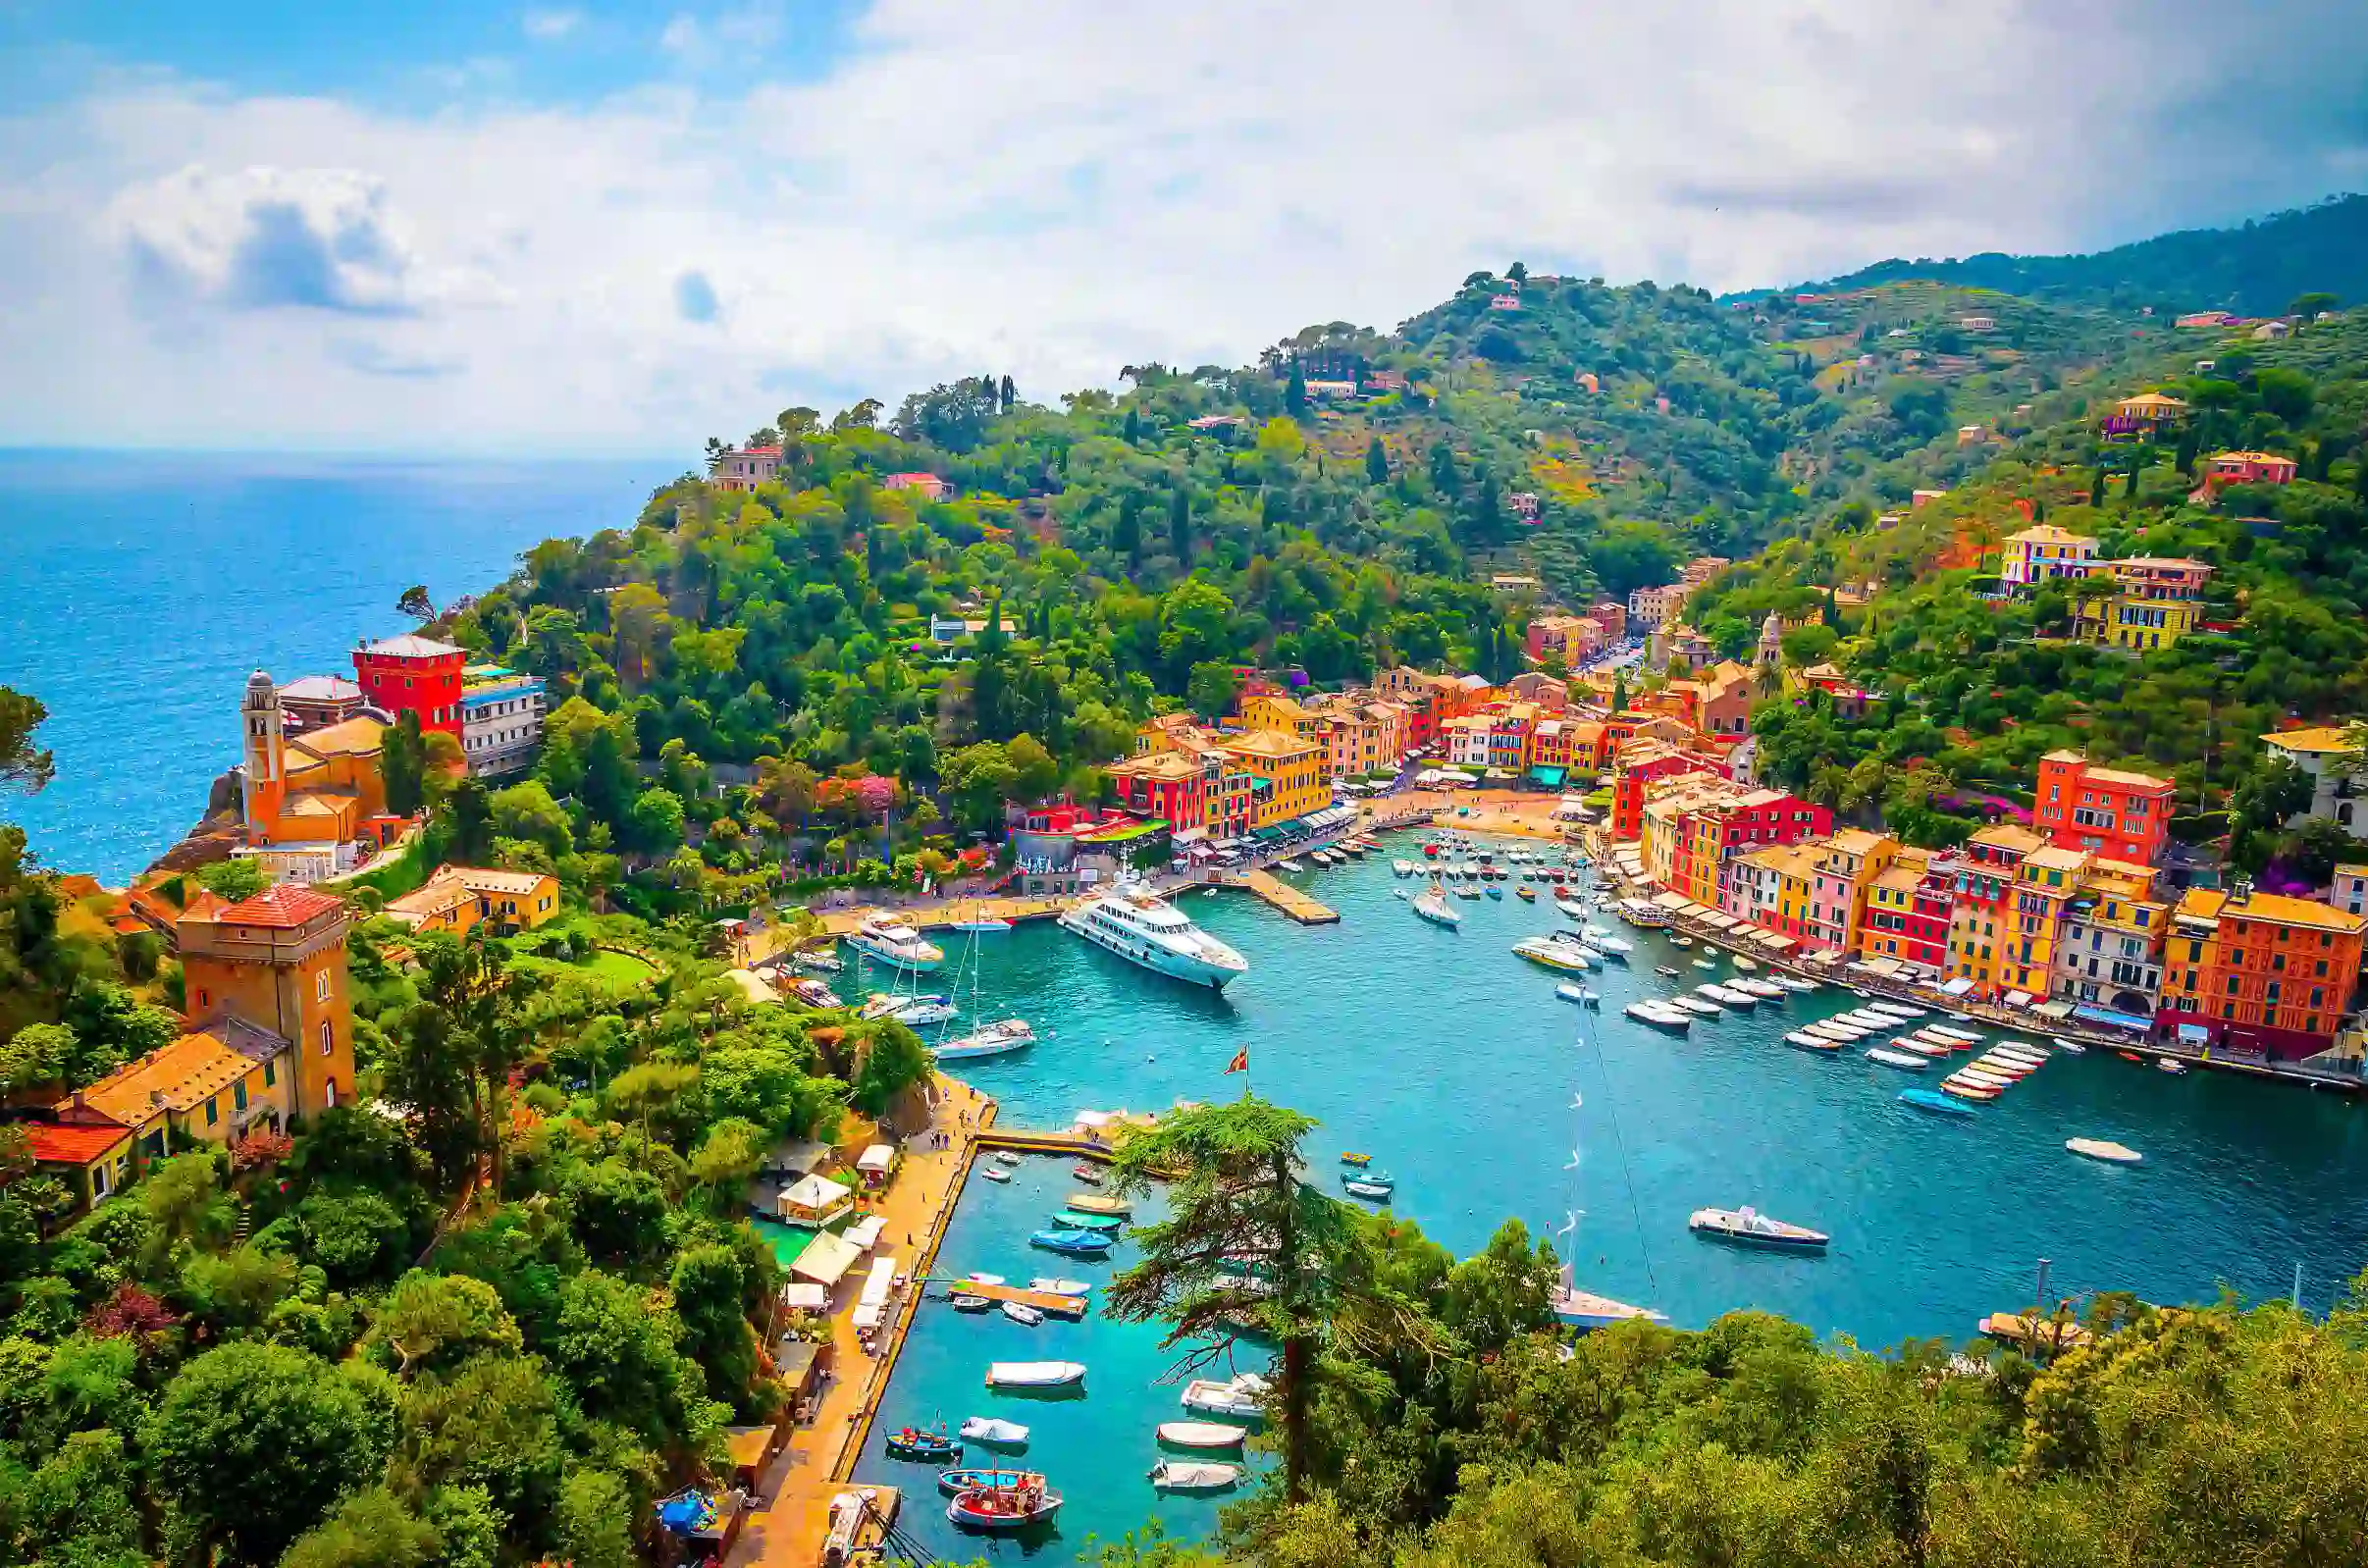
(2326, 756)
(500, 719)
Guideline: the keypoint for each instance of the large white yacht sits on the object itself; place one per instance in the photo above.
(897, 945)
(1132, 921)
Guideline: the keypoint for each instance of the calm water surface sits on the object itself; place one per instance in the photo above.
(138, 591)
(1452, 1062)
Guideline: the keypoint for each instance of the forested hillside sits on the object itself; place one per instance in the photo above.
(1976, 687)
(2257, 270)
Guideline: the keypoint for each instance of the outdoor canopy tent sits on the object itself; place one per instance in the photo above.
(865, 1233)
(1550, 777)
(803, 1297)
(879, 1160)
(815, 1199)
(880, 1282)
(827, 1260)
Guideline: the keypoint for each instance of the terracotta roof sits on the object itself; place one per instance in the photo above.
(2277, 909)
(285, 907)
(187, 1073)
(438, 896)
(359, 736)
(67, 1143)
(2116, 775)
(1271, 743)
(2009, 836)
(74, 886)
(1156, 765)
(2321, 738)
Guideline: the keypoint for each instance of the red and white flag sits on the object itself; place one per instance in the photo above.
(1241, 1061)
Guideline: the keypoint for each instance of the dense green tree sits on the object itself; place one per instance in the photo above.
(403, 765)
(23, 765)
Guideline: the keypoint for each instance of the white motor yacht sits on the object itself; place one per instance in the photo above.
(897, 945)
(1137, 924)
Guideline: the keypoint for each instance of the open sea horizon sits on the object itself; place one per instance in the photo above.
(139, 590)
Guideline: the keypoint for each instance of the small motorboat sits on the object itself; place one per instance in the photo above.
(1239, 1397)
(984, 1279)
(1027, 1501)
(2104, 1149)
(1399, 893)
(1177, 1475)
(925, 1443)
(984, 924)
(1937, 1104)
(988, 1429)
(1658, 1014)
(1081, 1172)
(1077, 1243)
(1053, 1286)
(1290, 868)
(1202, 1434)
(1748, 1226)
(965, 1301)
(994, 1173)
(1020, 1312)
(1664, 972)
(1359, 1185)
(2174, 1069)
(1744, 964)
(1681, 941)
(1103, 1223)
(1905, 1061)
(953, 1482)
(1698, 1007)
(1005, 1156)
(2068, 1047)
(1034, 1374)
(1802, 1039)
(1348, 1158)
(1527, 895)
(1726, 996)
(1578, 994)
(1095, 1203)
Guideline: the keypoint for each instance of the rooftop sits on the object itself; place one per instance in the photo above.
(2048, 534)
(2327, 739)
(2009, 836)
(1272, 743)
(69, 1143)
(1156, 765)
(2274, 909)
(359, 736)
(483, 879)
(412, 645)
(185, 1074)
(320, 689)
(285, 908)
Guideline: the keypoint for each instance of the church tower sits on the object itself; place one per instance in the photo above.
(263, 788)
(1771, 641)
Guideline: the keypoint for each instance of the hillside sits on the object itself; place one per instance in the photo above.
(2257, 269)
(1978, 687)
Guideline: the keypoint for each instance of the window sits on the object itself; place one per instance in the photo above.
(213, 1111)
(270, 1074)
(327, 1040)
(320, 986)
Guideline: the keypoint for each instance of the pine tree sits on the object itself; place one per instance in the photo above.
(1011, 394)
(2096, 488)
(2189, 441)
(1377, 462)
(1832, 610)
(1620, 693)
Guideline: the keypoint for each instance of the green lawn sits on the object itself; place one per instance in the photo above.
(621, 967)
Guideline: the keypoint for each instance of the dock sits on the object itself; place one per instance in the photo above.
(1076, 1143)
(1290, 900)
(1042, 1300)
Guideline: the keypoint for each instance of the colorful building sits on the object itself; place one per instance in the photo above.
(2044, 551)
(1636, 766)
(2109, 953)
(1774, 888)
(2046, 885)
(742, 469)
(307, 799)
(2248, 468)
(2326, 755)
(1652, 608)
(2259, 974)
(1164, 785)
(1272, 710)
(500, 719)
(1853, 858)
(278, 962)
(2155, 603)
(2109, 811)
(1908, 910)
(458, 897)
(1980, 909)
(1288, 778)
(413, 674)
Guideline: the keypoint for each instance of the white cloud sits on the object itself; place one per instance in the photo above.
(1050, 189)
(545, 27)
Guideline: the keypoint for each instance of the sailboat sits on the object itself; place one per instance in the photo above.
(999, 1038)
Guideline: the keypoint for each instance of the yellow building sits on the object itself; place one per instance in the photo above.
(209, 1087)
(1271, 711)
(2046, 884)
(307, 797)
(457, 897)
(1891, 904)
(2043, 552)
(278, 962)
(1287, 777)
(2154, 604)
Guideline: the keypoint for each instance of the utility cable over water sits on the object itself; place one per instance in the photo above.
(1636, 1213)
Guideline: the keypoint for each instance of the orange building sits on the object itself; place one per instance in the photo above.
(278, 962)
(306, 799)
(2258, 972)
(2117, 814)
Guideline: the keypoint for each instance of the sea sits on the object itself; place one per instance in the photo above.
(1454, 1066)
(138, 591)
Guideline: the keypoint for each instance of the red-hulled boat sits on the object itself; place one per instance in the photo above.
(1024, 1501)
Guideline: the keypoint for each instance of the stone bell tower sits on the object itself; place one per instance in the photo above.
(263, 788)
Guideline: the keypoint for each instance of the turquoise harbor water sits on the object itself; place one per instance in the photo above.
(138, 590)
(1451, 1062)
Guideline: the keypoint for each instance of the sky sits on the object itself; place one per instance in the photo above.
(567, 229)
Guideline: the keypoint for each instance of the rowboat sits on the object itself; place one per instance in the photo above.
(1180, 1475)
(1811, 1042)
(2104, 1149)
(1348, 1158)
(1940, 1103)
(1020, 1312)
(1905, 1061)
(1103, 1223)
(1060, 1287)
(988, 1429)
(1202, 1434)
(953, 1481)
(1026, 1502)
(994, 1173)
(1238, 1396)
(1748, 1226)
(1034, 1374)
(1096, 1203)
(1368, 1187)
(925, 1443)
(1082, 1244)
(1081, 1172)
(1577, 993)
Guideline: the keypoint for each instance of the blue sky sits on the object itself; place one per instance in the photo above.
(551, 227)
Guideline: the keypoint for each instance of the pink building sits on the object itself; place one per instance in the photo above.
(927, 486)
(2249, 468)
(744, 468)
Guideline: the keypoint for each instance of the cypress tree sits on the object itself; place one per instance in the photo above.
(1135, 427)
(1180, 526)
(2096, 488)
(1295, 395)
(1377, 462)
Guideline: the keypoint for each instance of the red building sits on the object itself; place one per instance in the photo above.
(413, 675)
(1927, 934)
(1166, 785)
(1639, 764)
(2116, 814)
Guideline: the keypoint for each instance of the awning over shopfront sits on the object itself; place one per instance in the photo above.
(1958, 988)
(1266, 835)
(2058, 1010)
(2018, 999)
(2112, 1019)
(827, 1260)
(1550, 777)
(1777, 942)
(1719, 922)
